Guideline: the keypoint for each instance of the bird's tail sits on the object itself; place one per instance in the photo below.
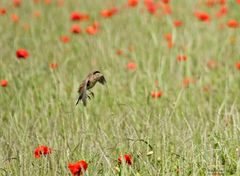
(79, 98)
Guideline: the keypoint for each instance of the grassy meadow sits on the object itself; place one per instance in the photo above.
(191, 128)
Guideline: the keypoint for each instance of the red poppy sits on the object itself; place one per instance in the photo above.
(177, 23)
(182, 58)
(48, 2)
(211, 3)
(109, 12)
(151, 7)
(202, 16)
(187, 81)
(237, 65)
(42, 150)
(119, 52)
(22, 53)
(222, 11)
(4, 83)
(168, 37)
(78, 168)
(91, 30)
(146, 2)
(132, 3)
(166, 1)
(3, 11)
(156, 94)
(167, 9)
(212, 64)
(65, 39)
(76, 16)
(222, 2)
(131, 66)
(37, 13)
(232, 23)
(14, 18)
(53, 66)
(76, 29)
(127, 158)
(238, 1)
(17, 3)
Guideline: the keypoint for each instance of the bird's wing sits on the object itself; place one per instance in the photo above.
(102, 80)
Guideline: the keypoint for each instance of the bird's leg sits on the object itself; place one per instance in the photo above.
(91, 93)
(89, 97)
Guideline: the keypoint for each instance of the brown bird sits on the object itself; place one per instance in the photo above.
(88, 83)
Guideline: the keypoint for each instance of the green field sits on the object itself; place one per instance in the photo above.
(193, 128)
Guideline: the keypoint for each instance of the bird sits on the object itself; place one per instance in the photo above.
(88, 83)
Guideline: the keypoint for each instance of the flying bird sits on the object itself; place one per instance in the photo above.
(88, 83)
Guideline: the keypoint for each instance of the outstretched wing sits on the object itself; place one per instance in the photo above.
(102, 80)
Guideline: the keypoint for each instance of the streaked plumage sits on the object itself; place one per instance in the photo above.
(89, 83)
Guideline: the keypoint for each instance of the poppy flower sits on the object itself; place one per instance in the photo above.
(222, 11)
(119, 52)
(177, 23)
(53, 66)
(4, 83)
(3, 11)
(76, 29)
(42, 150)
(132, 3)
(212, 64)
(211, 3)
(146, 2)
(222, 2)
(237, 65)
(202, 16)
(37, 13)
(14, 18)
(78, 168)
(91, 30)
(166, 1)
(156, 94)
(127, 159)
(238, 1)
(65, 39)
(131, 66)
(76, 16)
(168, 37)
(48, 2)
(17, 3)
(232, 23)
(167, 9)
(187, 81)
(109, 12)
(151, 7)
(182, 58)
(22, 53)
